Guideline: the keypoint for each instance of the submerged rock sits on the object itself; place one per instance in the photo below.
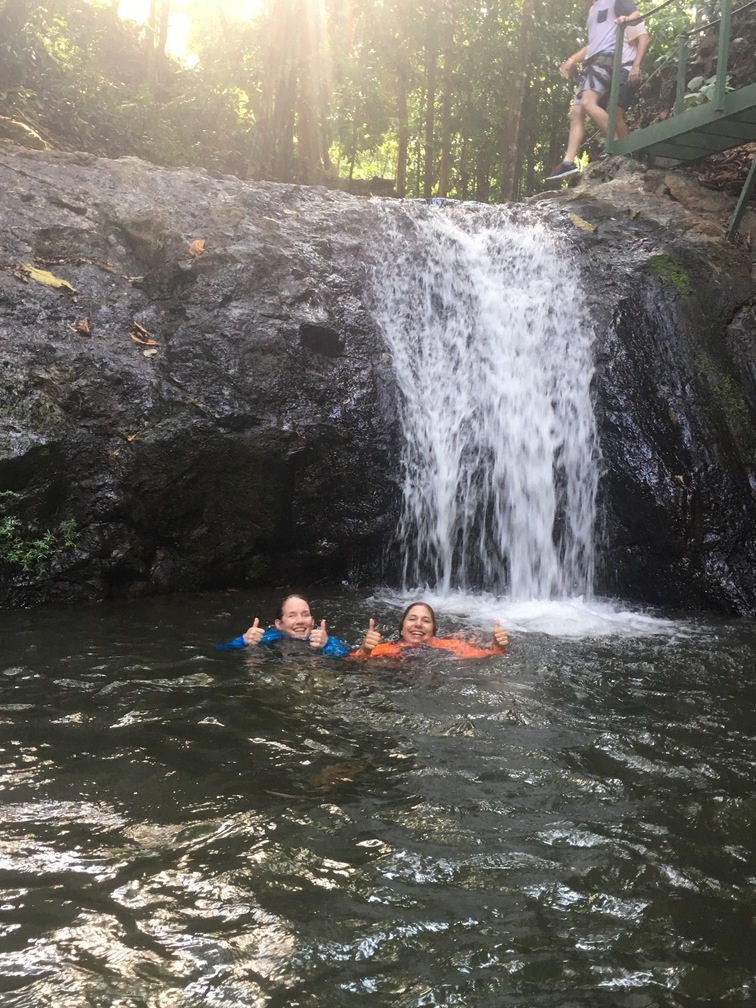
(196, 393)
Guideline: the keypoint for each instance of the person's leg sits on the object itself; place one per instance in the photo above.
(624, 101)
(577, 131)
(590, 102)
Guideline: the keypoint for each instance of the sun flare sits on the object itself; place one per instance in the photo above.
(180, 18)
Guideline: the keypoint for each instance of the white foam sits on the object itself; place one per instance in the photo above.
(568, 617)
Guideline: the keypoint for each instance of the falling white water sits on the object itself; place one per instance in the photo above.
(491, 347)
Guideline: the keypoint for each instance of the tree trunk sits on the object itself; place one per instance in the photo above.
(482, 178)
(446, 130)
(527, 148)
(293, 100)
(513, 135)
(431, 56)
(310, 113)
(557, 134)
(464, 175)
(402, 132)
(159, 13)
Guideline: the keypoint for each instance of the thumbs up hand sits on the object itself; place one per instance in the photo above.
(319, 636)
(500, 636)
(253, 636)
(372, 638)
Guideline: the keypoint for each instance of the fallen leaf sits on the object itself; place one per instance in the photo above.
(335, 774)
(142, 342)
(197, 247)
(634, 213)
(45, 277)
(82, 326)
(140, 335)
(584, 225)
(149, 353)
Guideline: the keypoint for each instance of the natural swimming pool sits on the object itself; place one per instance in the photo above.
(572, 825)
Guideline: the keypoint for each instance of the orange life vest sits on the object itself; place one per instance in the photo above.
(459, 648)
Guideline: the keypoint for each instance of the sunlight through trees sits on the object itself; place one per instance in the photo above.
(448, 98)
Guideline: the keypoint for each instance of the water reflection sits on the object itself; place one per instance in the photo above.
(571, 825)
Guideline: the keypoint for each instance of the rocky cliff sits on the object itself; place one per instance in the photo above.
(675, 313)
(205, 398)
(196, 395)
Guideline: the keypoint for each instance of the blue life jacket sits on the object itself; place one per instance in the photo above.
(333, 647)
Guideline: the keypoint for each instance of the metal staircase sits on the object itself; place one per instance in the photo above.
(689, 134)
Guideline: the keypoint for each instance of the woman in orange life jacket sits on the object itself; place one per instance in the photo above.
(417, 628)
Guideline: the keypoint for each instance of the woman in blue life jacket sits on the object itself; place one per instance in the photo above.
(293, 621)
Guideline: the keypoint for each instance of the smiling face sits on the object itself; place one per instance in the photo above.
(418, 625)
(295, 618)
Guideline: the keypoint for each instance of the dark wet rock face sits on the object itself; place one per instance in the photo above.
(224, 414)
(678, 441)
(227, 420)
(675, 392)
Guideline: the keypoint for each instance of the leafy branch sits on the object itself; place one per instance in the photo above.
(701, 90)
(34, 555)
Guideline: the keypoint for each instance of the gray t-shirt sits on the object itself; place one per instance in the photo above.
(602, 30)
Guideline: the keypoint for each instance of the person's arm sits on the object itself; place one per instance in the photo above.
(237, 642)
(572, 62)
(335, 648)
(330, 646)
(640, 43)
(625, 10)
(386, 649)
(250, 638)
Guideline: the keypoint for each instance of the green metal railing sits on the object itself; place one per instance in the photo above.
(717, 108)
(683, 55)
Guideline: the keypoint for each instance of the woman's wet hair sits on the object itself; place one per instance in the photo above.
(285, 599)
(412, 606)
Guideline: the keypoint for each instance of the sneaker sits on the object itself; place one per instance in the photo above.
(562, 170)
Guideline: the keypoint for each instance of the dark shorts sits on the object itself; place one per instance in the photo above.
(626, 96)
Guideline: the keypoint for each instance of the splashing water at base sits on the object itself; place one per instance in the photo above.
(575, 617)
(491, 346)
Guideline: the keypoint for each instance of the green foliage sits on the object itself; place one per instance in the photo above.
(728, 395)
(672, 271)
(305, 91)
(702, 90)
(34, 555)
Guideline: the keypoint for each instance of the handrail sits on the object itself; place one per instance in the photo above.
(710, 24)
(720, 85)
(692, 120)
(691, 31)
(655, 10)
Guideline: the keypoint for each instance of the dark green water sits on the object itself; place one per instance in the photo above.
(573, 826)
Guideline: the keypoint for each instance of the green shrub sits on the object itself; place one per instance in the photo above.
(34, 556)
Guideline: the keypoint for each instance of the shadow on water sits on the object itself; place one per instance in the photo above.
(572, 825)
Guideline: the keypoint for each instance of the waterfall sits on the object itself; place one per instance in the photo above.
(491, 346)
